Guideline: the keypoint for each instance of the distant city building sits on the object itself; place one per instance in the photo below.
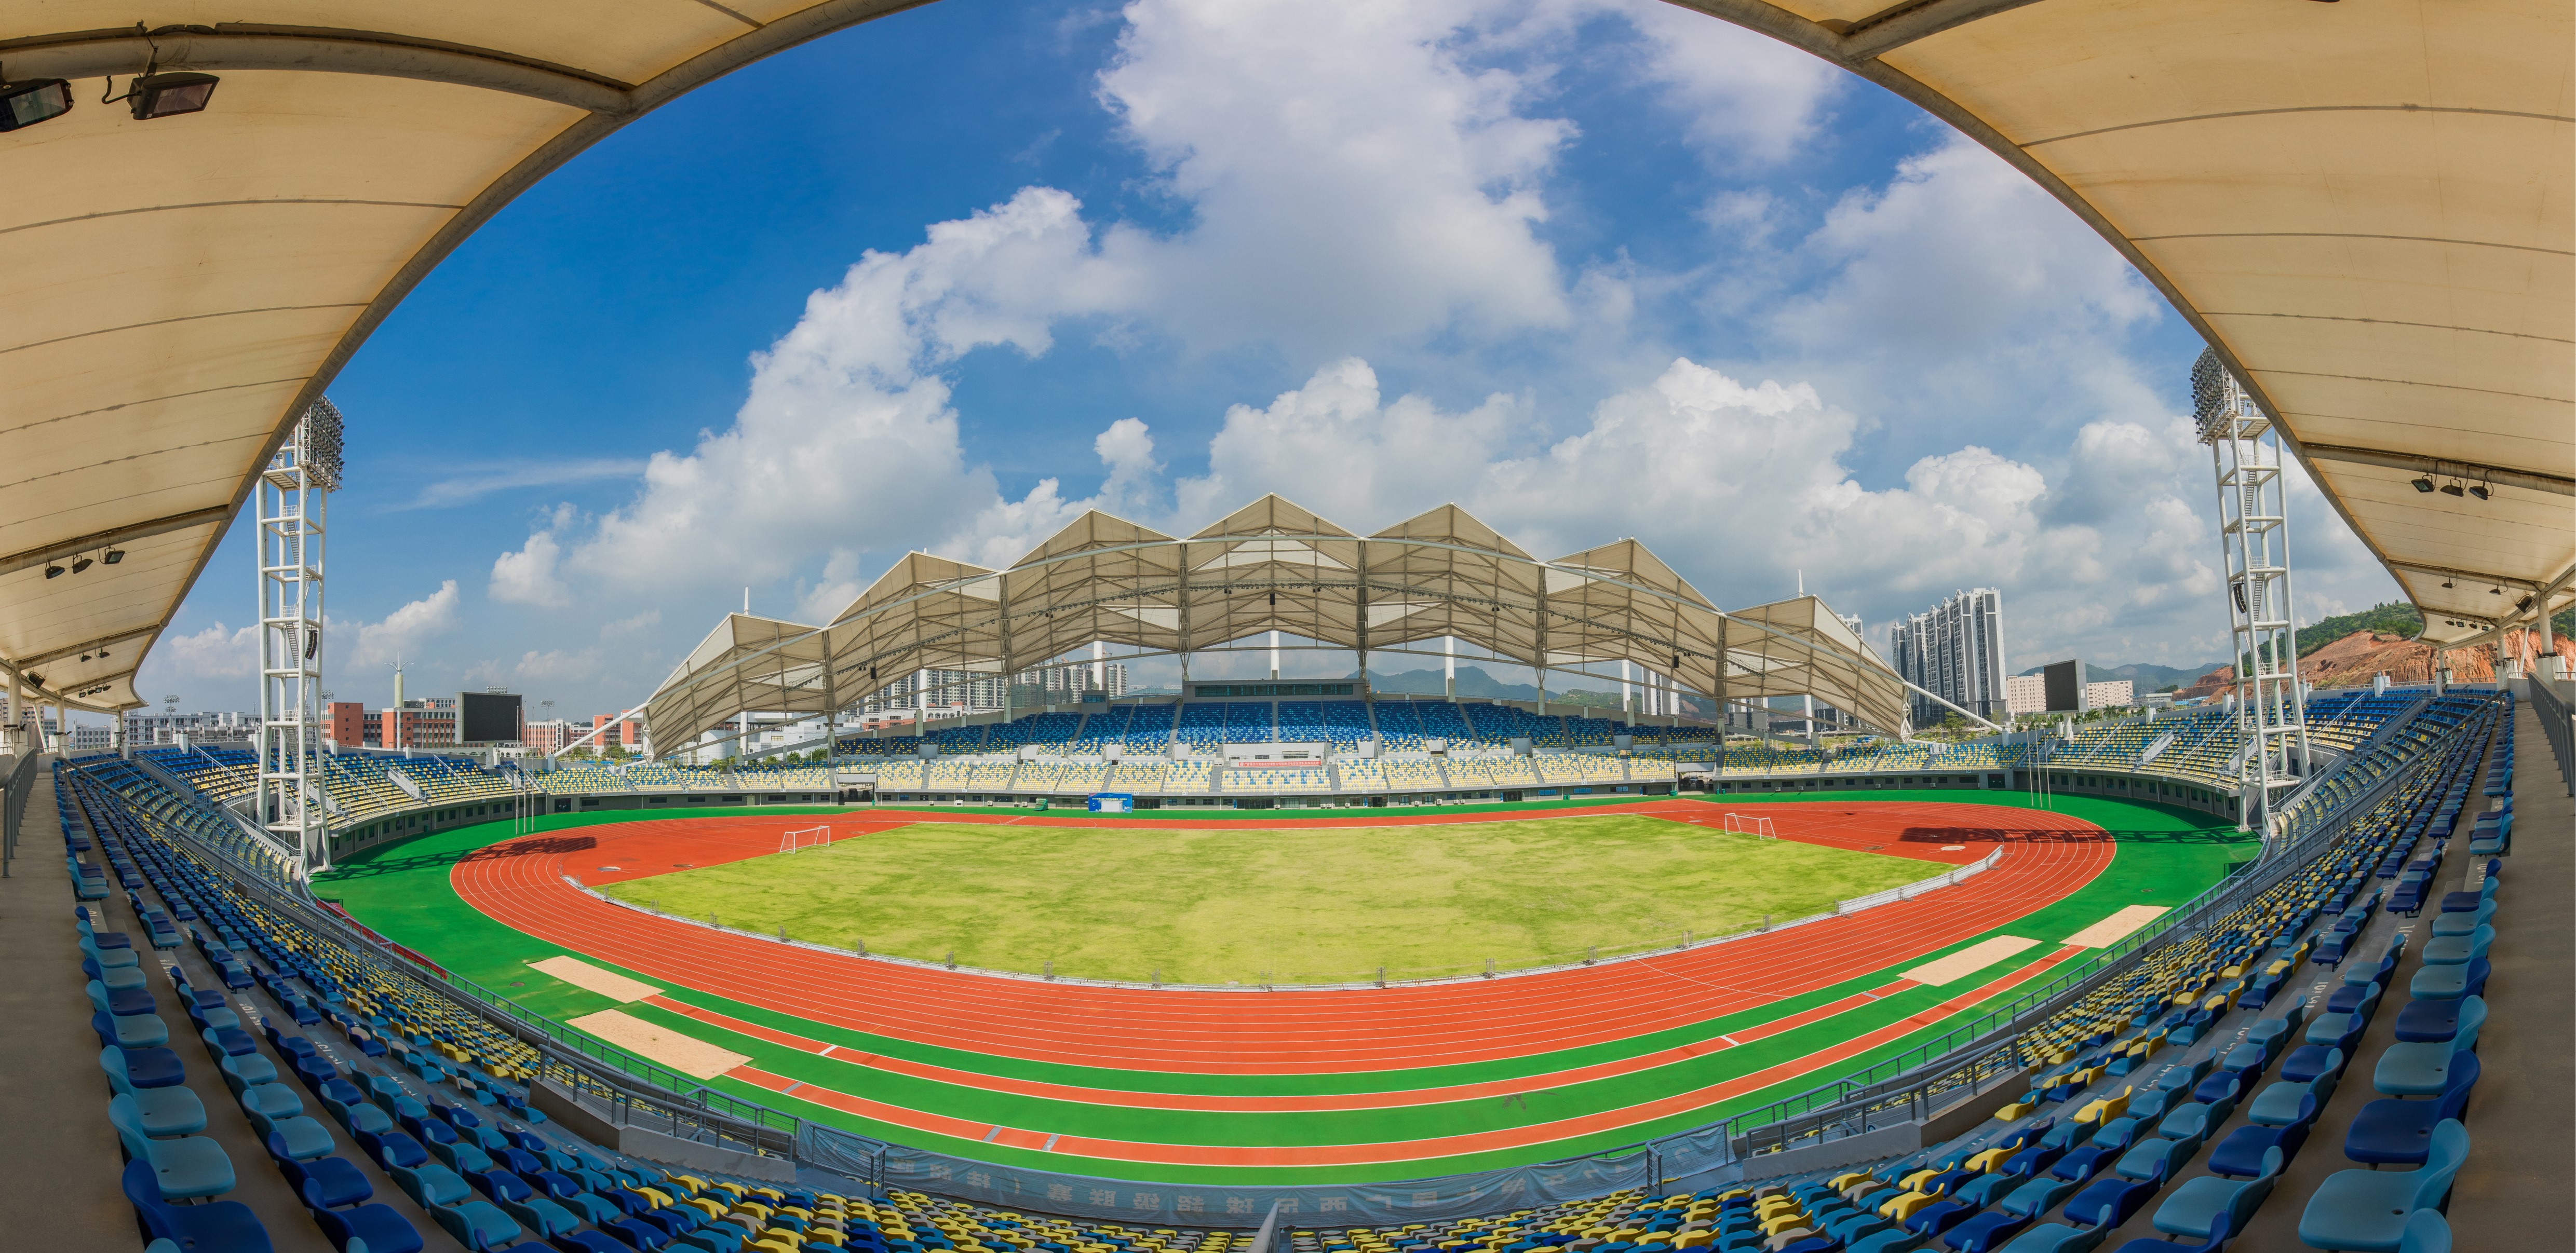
(91, 738)
(550, 735)
(950, 693)
(1955, 651)
(2111, 694)
(429, 723)
(1064, 685)
(143, 729)
(626, 734)
(345, 724)
(2026, 694)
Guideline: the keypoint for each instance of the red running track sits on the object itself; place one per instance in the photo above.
(521, 884)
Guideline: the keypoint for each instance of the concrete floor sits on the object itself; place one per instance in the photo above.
(59, 1189)
(59, 1162)
(2513, 1193)
(2518, 1188)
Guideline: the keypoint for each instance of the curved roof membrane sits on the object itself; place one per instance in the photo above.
(1272, 566)
(2364, 206)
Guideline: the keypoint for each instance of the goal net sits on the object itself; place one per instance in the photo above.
(811, 837)
(1746, 824)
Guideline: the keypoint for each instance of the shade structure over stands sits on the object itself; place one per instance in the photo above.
(1273, 566)
(2365, 208)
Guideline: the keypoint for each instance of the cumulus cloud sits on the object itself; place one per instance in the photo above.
(1745, 98)
(1745, 486)
(401, 633)
(217, 652)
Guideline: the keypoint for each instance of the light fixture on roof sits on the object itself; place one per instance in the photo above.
(2454, 489)
(2481, 490)
(112, 556)
(2448, 583)
(2421, 483)
(53, 572)
(33, 101)
(169, 95)
(2495, 591)
(81, 563)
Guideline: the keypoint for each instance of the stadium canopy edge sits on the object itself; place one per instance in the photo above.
(2365, 208)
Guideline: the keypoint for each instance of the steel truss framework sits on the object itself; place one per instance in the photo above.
(293, 499)
(1273, 565)
(2254, 542)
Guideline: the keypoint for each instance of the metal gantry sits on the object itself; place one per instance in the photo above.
(293, 515)
(2254, 542)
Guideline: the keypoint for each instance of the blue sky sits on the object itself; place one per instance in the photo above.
(1591, 268)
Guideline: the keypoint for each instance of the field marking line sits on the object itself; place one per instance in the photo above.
(1434, 1147)
(2117, 927)
(590, 978)
(1968, 961)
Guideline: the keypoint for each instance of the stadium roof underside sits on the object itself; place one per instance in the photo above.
(2366, 208)
(1274, 566)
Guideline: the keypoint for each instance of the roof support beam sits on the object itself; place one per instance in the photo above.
(76, 650)
(1893, 28)
(29, 559)
(232, 46)
(2473, 576)
(2500, 476)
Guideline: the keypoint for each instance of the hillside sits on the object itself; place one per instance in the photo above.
(2391, 618)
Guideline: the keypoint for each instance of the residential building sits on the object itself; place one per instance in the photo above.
(1955, 650)
(142, 728)
(345, 724)
(429, 723)
(2110, 694)
(2026, 694)
(550, 735)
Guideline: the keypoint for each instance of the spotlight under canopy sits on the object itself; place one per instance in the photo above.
(82, 563)
(112, 556)
(2422, 484)
(2481, 491)
(2454, 489)
(53, 572)
(171, 94)
(33, 101)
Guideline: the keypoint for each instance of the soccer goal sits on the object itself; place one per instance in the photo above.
(1746, 824)
(810, 837)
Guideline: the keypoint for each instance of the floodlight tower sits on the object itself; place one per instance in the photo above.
(293, 500)
(2254, 542)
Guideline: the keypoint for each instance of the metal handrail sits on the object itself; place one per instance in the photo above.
(2555, 724)
(17, 785)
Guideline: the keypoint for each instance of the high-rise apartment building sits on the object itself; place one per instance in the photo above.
(1955, 650)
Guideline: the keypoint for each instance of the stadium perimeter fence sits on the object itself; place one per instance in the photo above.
(1908, 1087)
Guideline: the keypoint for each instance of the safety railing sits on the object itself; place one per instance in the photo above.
(17, 786)
(2556, 725)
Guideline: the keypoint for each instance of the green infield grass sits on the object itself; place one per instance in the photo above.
(1255, 904)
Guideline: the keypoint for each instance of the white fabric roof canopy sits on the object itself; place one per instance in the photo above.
(2366, 208)
(1275, 566)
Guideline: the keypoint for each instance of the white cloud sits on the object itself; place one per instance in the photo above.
(465, 485)
(528, 576)
(213, 653)
(401, 634)
(1333, 447)
(644, 621)
(1743, 487)
(1749, 98)
(1352, 175)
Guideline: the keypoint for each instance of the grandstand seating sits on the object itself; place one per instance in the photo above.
(2174, 1092)
(1414, 775)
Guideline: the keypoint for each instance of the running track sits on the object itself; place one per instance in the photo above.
(521, 884)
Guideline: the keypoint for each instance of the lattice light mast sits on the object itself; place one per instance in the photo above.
(2254, 541)
(293, 499)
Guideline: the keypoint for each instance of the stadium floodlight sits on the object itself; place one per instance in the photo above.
(2454, 489)
(112, 556)
(2422, 484)
(169, 95)
(81, 563)
(2481, 491)
(53, 572)
(33, 101)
